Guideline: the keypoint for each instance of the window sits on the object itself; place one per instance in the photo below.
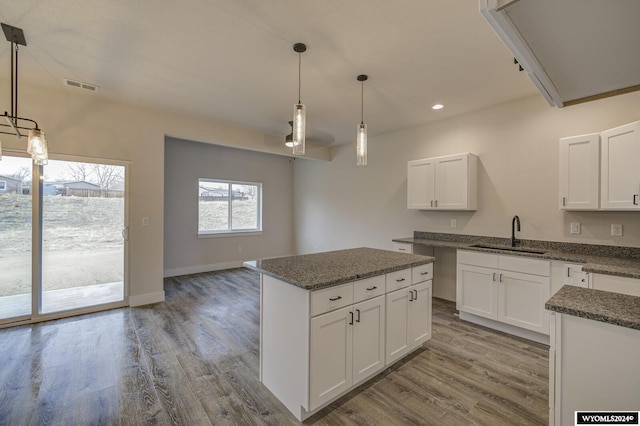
(229, 207)
(3, 185)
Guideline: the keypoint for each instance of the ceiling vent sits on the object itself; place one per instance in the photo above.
(79, 85)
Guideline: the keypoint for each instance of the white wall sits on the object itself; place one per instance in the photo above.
(340, 205)
(185, 162)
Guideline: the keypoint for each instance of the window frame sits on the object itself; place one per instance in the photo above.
(230, 231)
(3, 185)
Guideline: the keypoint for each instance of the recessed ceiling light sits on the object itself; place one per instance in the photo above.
(437, 106)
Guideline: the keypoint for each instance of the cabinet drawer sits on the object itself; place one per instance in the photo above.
(331, 298)
(368, 288)
(524, 265)
(486, 260)
(398, 279)
(421, 273)
(403, 247)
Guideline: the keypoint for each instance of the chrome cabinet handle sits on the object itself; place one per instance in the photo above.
(333, 299)
(372, 288)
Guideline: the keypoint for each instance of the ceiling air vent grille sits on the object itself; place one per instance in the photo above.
(79, 85)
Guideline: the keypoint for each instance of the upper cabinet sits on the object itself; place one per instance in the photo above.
(573, 50)
(599, 171)
(620, 156)
(580, 172)
(443, 183)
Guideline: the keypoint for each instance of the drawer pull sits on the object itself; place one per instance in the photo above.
(635, 199)
(402, 249)
(333, 299)
(416, 295)
(494, 277)
(400, 280)
(351, 322)
(411, 296)
(500, 277)
(372, 288)
(424, 273)
(358, 316)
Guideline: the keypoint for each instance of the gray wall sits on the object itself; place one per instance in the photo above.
(185, 162)
(340, 205)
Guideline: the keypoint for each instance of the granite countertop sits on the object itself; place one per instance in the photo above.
(596, 259)
(319, 270)
(613, 308)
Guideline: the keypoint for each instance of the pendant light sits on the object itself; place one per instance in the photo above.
(299, 111)
(361, 136)
(36, 142)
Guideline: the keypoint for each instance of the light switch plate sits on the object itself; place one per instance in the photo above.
(616, 230)
(454, 223)
(575, 227)
(145, 221)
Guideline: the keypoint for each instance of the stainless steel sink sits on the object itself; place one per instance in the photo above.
(510, 249)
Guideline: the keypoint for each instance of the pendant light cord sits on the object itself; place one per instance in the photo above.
(299, 74)
(362, 103)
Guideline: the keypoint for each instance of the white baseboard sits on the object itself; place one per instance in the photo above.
(146, 299)
(506, 328)
(201, 268)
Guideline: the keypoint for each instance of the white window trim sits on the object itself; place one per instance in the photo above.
(231, 232)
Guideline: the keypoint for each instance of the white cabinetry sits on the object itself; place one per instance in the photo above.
(616, 284)
(443, 183)
(403, 247)
(599, 171)
(620, 182)
(318, 345)
(580, 172)
(568, 274)
(507, 289)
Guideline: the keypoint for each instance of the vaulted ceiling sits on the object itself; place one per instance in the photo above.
(232, 60)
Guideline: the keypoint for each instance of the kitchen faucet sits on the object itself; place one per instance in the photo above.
(515, 221)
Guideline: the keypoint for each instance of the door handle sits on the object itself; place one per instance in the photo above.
(431, 203)
(635, 199)
(411, 296)
(351, 322)
(436, 203)
(494, 277)
(500, 277)
(416, 295)
(564, 201)
(358, 317)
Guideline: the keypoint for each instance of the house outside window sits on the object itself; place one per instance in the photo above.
(3, 185)
(229, 207)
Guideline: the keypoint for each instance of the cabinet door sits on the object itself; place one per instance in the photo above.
(330, 355)
(368, 338)
(620, 184)
(580, 172)
(397, 344)
(451, 178)
(521, 299)
(420, 184)
(476, 291)
(420, 313)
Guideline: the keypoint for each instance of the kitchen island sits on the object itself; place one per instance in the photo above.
(593, 358)
(330, 321)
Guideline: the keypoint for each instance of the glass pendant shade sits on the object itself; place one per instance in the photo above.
(361, 145)
(37, 147)
(299, 123)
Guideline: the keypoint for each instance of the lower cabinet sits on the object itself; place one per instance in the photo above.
(508, 289)
(346, 347)
(409, 316)
(317, 345)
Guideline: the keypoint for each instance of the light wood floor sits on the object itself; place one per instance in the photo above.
(193, 360)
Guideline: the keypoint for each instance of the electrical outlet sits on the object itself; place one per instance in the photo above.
(454, 223)
(575, 228)
(145, 221)
(239, 249)
(616, 230)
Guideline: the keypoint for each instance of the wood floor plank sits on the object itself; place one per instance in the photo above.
(193, 360)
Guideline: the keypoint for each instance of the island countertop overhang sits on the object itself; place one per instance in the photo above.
(320, 270)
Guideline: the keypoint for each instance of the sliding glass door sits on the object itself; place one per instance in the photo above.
(83, 222)
(62, 239)
(15, 239)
